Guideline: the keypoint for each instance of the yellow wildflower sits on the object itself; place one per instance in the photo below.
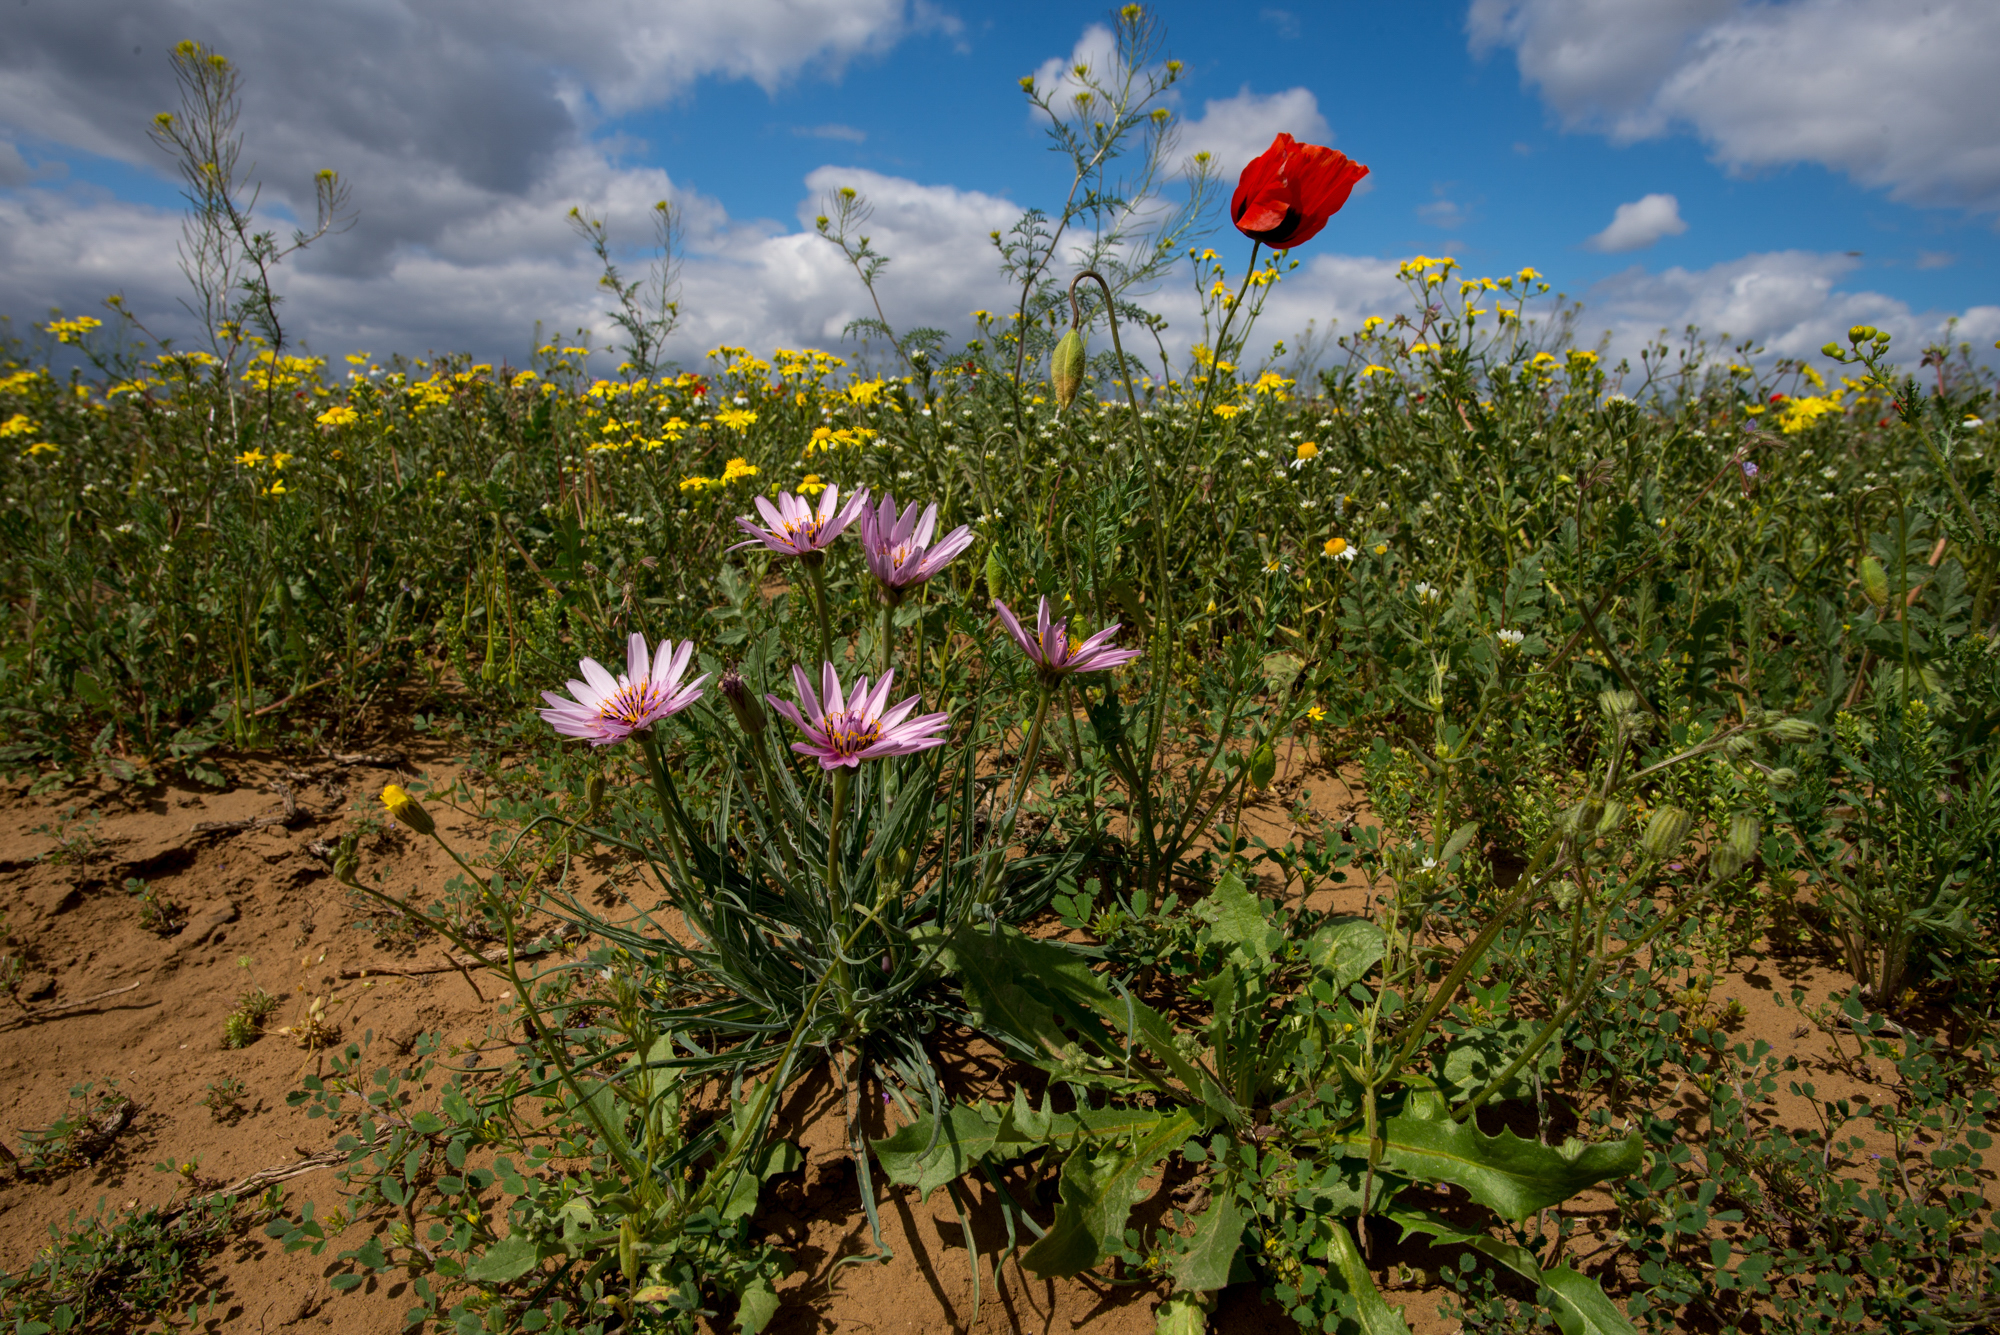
(338, 415)
(1335, 546)
(736, 419)
(1306, 450)
(810, 485)
(736, 468)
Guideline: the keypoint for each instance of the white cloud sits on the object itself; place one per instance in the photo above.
(1899, 96)
(1789, 301)
(1639, 224)
(1233, 130)
(833, 130)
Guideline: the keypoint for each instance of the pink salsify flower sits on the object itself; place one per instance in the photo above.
(608, 709)
(1055, 655)
(842, 733)
(896, 546)
(796, 527)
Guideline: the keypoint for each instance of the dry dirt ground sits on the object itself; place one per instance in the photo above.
(102, 998)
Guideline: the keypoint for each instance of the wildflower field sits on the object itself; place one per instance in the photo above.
(1447, 833)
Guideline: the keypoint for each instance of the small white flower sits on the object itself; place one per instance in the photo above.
(1974, 423)
(123, 528)
(1509, 639)
(1427, 593)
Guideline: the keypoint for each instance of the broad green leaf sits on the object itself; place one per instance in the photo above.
(1181, 1314)
(1508, 1175)
(1211, 1253)
(1039, 993)
(914, 1157)
(1474, 1059)
(1242, 921)
(779, 1157)
(1579, 1306)
(1345, 951)
(1377, 1317)
(1281, 670)
(755, 1306)
(504, 1262)
(1100, 1185)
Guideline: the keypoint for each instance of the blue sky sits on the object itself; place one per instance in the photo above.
(1756, 148)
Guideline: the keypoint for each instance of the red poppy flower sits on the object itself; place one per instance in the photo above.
(1286, 195)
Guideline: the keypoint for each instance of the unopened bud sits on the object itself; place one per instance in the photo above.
(1613, 817)
(1066, 368)
(1582, 818)
(1666, 831)
(1783, 779)
(996, 572)
(742, 702)
(1874, 581)
(593, 793)
(1861, 333)
(1832, 350)
(407, 810)
(1263, 766)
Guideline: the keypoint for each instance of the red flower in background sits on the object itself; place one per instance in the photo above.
(1286, 195)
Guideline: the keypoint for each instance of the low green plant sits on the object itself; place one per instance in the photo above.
(224, 1099)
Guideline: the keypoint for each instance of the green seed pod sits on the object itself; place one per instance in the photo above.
(1874, 581)
(628, 1250)
(1066, 368)
(1724, 861)
(1666, 831)
(1743, 833)
(1263, 767)
(1794, 730)
(1582, 818)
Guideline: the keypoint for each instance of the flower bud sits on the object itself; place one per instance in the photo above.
(1783, 779)
(1613, 817)
(1874, 581)
(1861, 333)
(407, 810)
(1831, 350)
(1582, 818)
(1666, 831)
(996, 572)
(593, 793)
(1263, 767)
(1066, 368)
(742, 702)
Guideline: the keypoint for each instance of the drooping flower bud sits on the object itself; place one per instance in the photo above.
(593, 794)
(1743, 832)
(407, 810)
(1263, 767)
(1794, 730)
(1066, 368)
(1874, 581)
(742, 702)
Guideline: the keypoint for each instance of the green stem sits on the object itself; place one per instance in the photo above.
(817, 580)
(843, 780)
(1030, 756)
(888, 630)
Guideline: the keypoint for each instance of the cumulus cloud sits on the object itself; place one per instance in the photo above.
(1233, 130)
(1639, 224)
(1899, 97)
(1788, 301)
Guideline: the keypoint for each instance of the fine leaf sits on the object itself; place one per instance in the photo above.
(1100, 1185)
(1376, 1316)
(1508, 1175)
(1579, 1305)
(1242, 921)
(1211, 1253)
(755, 1307)
(504, 1262)
(1345, 951)
(1181, 1314)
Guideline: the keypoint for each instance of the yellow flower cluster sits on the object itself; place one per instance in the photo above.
(1799, 414)
(338, 415)
(825, 439)
(270, 371)
(18, 425)
(1274, 384)
(72, 331)
(736, 419)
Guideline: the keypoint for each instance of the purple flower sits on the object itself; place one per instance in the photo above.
(796, 528)
(1749, 469)
(608, 710)
(895, 547)
(1055, 654)
(839, 733)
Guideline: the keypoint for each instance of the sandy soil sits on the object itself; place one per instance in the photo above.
(101, 998)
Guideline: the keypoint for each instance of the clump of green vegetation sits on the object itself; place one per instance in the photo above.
(245, 1024)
